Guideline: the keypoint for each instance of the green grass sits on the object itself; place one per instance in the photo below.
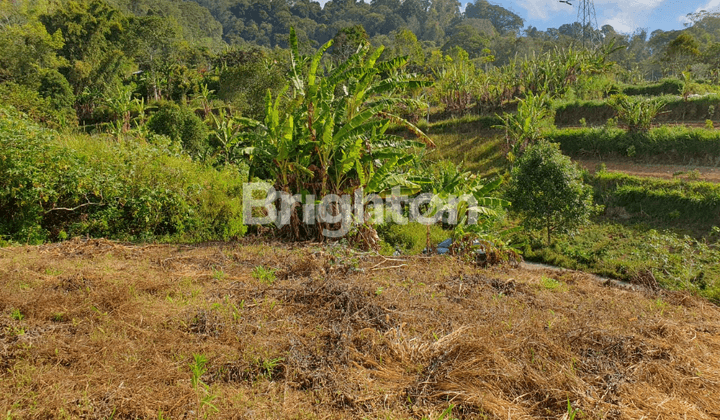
(675, 144)
(691, 206)
(597, 112)
(471, 141)
(634, 252)
(410, 239)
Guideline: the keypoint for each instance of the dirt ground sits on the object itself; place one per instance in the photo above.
(92, 329)
(687, 172)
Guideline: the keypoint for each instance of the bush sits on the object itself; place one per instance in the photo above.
(548, 191)
(598, 112)
(41, 109)
(181, 124)
(637, 114)
(54, 186)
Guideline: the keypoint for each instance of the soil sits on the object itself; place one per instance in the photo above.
(97, 329)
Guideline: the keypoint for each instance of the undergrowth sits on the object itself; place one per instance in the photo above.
(57, 185)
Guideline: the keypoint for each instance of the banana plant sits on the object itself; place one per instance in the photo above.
(327, 130)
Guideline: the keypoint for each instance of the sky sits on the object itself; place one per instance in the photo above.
(624, 15)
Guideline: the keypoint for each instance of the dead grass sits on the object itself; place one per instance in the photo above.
(108, 331)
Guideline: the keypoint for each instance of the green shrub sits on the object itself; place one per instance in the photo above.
(676, 109)
(54, 186)
(55, 87)
(39, 108)
(637, 114)
(182, 125)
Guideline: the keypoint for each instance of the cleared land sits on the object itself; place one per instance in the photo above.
(97, 329)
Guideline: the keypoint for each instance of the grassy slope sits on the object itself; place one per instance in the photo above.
(639, 236)
(109, 330)
(472, 141)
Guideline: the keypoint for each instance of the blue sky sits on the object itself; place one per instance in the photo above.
(623, 15)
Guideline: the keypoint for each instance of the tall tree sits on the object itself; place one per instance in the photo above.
(502, 19)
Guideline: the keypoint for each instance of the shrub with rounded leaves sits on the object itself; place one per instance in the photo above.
(181, 125)
(548, 191)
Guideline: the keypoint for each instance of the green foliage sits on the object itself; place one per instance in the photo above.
(635, 253)
(53, 185)
(37, 107)
(180, 124)
(411, 238)
(664, 87)
(636, 113)
(455, 79)
(670, 203)
(527, 125)
(264, 275)
(680, 53)
(246, 77)
(17, 315)
(331, 138)
(548, 190)
(597, 112)
(681, 144)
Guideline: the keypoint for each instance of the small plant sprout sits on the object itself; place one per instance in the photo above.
(218, 274)
(17, 315)
(264, 275)
(550, 283)
(204, 396)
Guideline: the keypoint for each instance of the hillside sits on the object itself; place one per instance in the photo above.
(99, 329)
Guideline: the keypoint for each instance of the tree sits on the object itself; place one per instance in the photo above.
(347, 41)
(681, 52)
(502, 19)
(548, 191)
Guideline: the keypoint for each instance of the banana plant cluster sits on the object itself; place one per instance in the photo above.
(327, 133)
(526, 126)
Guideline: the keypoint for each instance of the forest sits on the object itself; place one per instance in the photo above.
(574, 182)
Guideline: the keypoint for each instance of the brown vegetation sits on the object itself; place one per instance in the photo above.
(96, 329)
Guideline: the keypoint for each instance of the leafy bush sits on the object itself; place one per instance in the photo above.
(182, 125)
(54, 186)
(548, 190)
(676, 109)
(637, 114)
(41, 109)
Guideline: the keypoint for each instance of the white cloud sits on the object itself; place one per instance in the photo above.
(623, 15)
(711, 6)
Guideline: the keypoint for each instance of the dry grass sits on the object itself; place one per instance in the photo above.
(95, 329)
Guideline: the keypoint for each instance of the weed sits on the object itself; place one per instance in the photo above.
(218, 274)
(264, 275)
(709, 125)
(17, 315)
(270, 365)
(571, 412)
(550, 283)
(204, 395)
